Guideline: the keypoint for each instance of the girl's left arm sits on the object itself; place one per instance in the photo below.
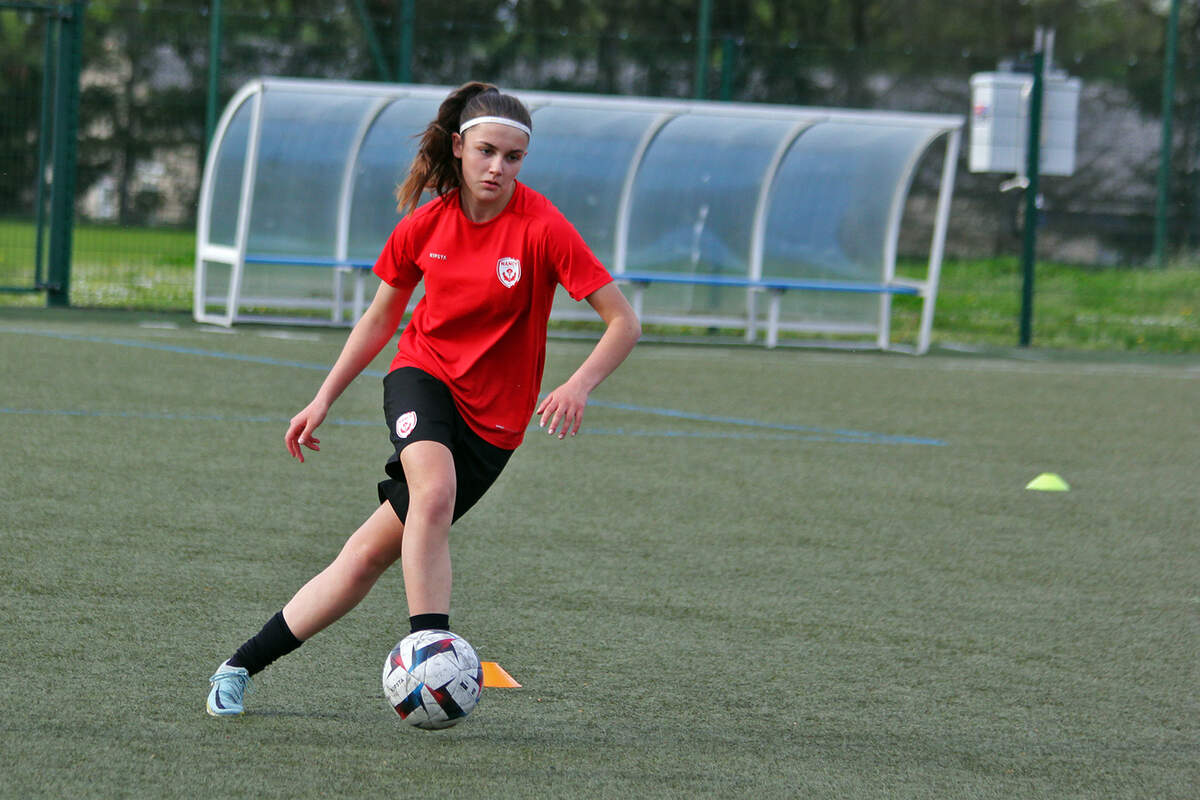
(562, 409)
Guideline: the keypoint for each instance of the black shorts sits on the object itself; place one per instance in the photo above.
(418, 408)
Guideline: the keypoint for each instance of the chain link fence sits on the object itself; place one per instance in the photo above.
(146, 73)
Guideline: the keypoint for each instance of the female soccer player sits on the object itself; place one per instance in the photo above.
(464, 381)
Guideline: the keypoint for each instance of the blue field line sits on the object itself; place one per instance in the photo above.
(763, 437)
(189, 351)
(533, 428)
(839, 434)
(164, 416)
(811, 433)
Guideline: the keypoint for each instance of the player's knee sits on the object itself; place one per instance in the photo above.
(433, 500)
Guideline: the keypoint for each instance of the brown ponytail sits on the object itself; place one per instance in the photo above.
(435, 168)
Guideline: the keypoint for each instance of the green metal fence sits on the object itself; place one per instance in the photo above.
(154, 74)
(37, 187)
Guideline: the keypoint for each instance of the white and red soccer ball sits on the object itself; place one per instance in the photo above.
(432, 679)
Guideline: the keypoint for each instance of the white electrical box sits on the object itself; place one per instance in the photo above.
(1000, 104)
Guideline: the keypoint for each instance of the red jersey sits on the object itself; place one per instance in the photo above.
(481, 326)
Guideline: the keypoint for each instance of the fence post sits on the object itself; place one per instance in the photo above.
(214, 71)
(1162, 209)
(45, 126)
(364, 18)
(1032, 167)
(404, 53)
(702, 45)
(66, 124)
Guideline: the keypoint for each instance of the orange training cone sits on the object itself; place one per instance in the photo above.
(494, 676)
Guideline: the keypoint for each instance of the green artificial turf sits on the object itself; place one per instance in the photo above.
(755, 573)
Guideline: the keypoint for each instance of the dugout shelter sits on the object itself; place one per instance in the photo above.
(766, 219)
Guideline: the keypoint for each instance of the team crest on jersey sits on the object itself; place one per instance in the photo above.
(405, 424)
(508, 270)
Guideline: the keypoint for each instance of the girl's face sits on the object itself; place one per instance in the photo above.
(491, 155)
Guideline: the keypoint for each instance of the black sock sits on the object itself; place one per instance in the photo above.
(429, 622)
(273, 641)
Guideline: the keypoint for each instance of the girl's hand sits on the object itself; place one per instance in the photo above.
(562, 410)
(300, 430)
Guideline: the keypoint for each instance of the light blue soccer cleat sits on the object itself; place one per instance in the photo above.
(229, 685)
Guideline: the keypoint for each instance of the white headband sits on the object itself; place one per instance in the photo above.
(512, 123)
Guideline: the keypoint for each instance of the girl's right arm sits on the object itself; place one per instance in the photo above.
(372, 331)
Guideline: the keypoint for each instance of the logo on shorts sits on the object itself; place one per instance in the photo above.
(405, 424)
(508, 270)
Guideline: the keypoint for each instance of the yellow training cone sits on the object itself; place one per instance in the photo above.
(1048, 482)
(494, 676)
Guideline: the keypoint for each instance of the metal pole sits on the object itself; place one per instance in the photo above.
(45, 136)
(364, 19)
(1032, 159)
(66, 122)
(702, 47)
(1164, 158)
(404, 55)
(214, 71)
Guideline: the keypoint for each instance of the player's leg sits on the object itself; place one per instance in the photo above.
(439, 470)
(423, 542)
(342, 585)
(429, 473)
(328, 596)
(440, 483)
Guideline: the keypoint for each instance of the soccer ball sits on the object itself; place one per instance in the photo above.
(432, 679)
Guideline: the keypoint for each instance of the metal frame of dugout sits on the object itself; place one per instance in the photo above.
(701, 208)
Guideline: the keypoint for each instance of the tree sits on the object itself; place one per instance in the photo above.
(21, 74)
(146, 63)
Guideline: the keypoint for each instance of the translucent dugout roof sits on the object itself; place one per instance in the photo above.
(302, 173)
